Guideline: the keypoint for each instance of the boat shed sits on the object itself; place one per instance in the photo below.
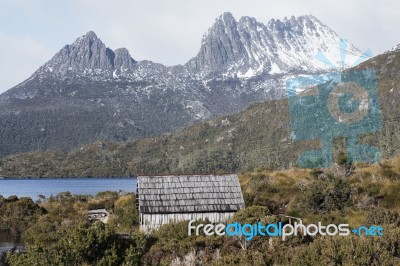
(166, 199)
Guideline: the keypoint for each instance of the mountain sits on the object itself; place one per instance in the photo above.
(246, 48)
(395, 48)
(260, 136)
(89, 92)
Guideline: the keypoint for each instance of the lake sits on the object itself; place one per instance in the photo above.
(52, 186)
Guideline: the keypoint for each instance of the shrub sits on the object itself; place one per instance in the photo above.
(379, 216)
(126, 214)
(341, 158)
(326, 195)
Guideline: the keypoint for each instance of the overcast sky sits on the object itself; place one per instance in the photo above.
(168, 31)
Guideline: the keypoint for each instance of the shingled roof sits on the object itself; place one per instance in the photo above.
(187, 194)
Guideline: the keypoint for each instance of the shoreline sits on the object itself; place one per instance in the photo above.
(40, 178)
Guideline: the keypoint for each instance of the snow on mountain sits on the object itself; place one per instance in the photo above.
(89, 92)
(247, 48)
(240, 49)
(395, 48)
(87, 56)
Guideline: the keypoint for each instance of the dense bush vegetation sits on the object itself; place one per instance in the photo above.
(18, 214)
(84, 244)
(58, 232)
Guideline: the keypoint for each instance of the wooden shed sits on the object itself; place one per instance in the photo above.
(165, 199)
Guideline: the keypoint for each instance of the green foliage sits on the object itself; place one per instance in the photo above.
(388, 171)
(246, 258)
(351, 250)
(172, 241)
(251, 215)
(173, 232)
(134, 254)
(60, 234)
(104, 200)
(17, 214)
(326, 195)
(84, 244)
(341, 158)
(271, 191)
(377, 216)
(316, 172)
(126, 214)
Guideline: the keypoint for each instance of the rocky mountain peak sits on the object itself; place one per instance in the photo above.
(123, 61)
(247, 20)
(221, 46)
(247, 48)
(298, 25)
(88, 57)
(90, 35)
(226, 17)
(225, 25)
(395, 48)
(88, 39)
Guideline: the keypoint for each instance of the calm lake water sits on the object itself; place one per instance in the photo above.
(52, 186)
